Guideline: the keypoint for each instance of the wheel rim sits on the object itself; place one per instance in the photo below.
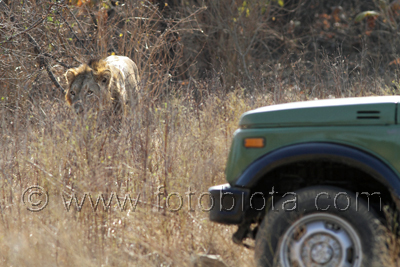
(321, 239)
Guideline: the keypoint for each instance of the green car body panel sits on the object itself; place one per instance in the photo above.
(369, 124)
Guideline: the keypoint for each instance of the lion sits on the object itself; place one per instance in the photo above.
(103, 84)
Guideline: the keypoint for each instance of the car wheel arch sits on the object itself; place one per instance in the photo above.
(381, 172)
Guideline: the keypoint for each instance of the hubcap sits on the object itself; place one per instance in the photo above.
(321, 253)
(321, 239)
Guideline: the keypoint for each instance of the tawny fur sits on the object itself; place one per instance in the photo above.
(109, 83)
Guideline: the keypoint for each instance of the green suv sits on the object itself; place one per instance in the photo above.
(312, 181)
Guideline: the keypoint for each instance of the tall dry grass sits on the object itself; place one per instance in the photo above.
(174, 140)
(176, 143)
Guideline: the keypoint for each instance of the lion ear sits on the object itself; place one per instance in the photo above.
(70, 76)
(103, 77)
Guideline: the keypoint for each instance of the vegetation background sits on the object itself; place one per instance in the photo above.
(202, 64)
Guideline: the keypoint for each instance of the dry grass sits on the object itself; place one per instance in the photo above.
(178, 137)
(172, 144)
(175, 143)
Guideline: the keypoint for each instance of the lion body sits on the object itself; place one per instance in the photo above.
(110, 83)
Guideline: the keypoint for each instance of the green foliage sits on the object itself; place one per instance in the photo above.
(366, 14)
(244, 9)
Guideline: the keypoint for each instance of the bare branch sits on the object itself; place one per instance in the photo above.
(43, 61)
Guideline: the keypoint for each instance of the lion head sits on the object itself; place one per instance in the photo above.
(88, 86)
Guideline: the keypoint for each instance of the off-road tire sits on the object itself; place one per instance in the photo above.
(348, 232)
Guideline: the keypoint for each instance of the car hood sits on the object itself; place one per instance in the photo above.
(380, 110)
